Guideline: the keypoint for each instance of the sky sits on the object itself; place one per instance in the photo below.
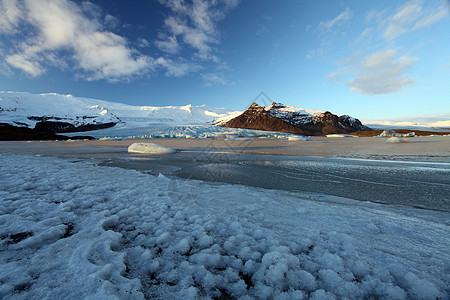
(374, 60)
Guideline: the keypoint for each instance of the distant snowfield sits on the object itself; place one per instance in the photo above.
(19, 106)
(431, 124)
(76, 230)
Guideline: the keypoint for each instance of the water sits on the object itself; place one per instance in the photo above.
(417, 184)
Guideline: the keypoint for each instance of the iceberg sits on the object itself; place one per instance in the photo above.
(149, 148)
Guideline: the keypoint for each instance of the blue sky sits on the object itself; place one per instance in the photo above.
(369, 59)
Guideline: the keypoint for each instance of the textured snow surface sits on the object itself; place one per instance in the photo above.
(149, 148)
(72, 230)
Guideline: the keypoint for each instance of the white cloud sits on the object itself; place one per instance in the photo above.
(402, 21)
(215, 78)
(176, 68)
(111, 21)
(194, 25)
(61, 26)
(339, 20)
(168, 44)
(10, 15)
(381, 73)
(327, 32)
(142, 43)
(412, 16)
(430, 19)
(33, 68)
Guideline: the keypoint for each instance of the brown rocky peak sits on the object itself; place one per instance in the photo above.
(255, 107)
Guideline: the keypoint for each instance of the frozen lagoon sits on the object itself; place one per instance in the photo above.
(71, 228)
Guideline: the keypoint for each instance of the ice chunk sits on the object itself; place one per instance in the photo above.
(149, 148)
(340, 135)
(392, 133)
(395, 139)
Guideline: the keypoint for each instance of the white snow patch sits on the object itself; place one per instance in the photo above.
(149, 148)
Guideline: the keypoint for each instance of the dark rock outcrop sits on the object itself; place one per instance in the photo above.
(62, 127)
(14, 133)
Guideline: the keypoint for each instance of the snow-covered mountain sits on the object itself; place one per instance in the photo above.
(66, 113)
(286, 118)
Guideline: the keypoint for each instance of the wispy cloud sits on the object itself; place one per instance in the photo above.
(63, 28)
(381, 73)
(412, 16)
(371, 71)
(11, 13)
(327, 32)
(193, 24)
(178, 68)
(430, 19)
(340, 19)
(215, 78)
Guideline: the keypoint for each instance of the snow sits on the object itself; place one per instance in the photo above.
(224, 119)
(283, 109)
(18, 106)
(71, 229)
(149, 148)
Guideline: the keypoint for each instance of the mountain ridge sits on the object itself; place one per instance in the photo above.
(285, 118)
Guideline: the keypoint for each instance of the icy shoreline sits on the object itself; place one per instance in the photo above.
(78, 230)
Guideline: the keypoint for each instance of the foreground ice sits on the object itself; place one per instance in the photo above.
(149, 148)
(75, 230)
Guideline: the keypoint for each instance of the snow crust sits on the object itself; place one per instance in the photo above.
(73, 230)
(149, 148)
